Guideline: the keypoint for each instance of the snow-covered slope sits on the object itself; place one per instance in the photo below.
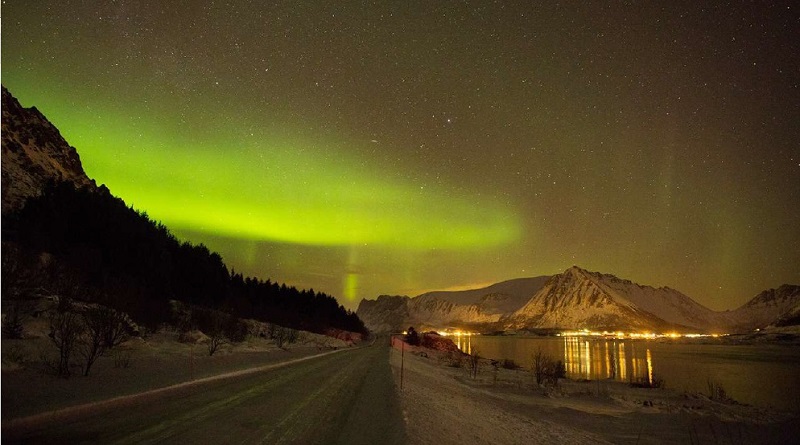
(667, 304)
(577, 299)
(432, 312)
(501, 298)
(774, 306)
(443, 309)
(33, 153)
(581, 299)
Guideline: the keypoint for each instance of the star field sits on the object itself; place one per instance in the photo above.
(400, 147)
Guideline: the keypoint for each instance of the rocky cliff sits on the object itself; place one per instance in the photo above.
(33, 153)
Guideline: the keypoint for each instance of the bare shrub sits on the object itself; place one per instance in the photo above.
(280, 335)
(560, 370)
(717, 392)
(215, 340)
(88, 333)
(236, 330)
(16, 312)
(66, 328)
(113, 328)
(91, 345)
(214, 324)
(216, 333)
(292, 335)
(284, 336)
(104, 328)
(473, 361)
(122, 359)
(540, 366)
(495, 368)
(271, 329)
(546, 370)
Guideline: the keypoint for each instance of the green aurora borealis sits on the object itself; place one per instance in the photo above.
(398, 148)
(285, 191)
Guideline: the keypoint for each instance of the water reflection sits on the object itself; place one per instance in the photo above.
(464, 342)
(586, 358)
(740, 369)
(607, 359)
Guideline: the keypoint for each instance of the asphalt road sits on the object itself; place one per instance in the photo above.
(343, 398)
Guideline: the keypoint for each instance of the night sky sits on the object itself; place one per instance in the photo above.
(399, 147)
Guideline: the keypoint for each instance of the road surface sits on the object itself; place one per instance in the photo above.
(347, 397)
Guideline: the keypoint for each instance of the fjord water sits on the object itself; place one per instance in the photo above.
(762, 375)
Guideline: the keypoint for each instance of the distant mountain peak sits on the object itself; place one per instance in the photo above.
(577, 271)
(585, 273)
(34, 153)
(576, 298)
(581, 298)
(785, 293)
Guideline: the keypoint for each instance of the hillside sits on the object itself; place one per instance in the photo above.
(34, 153)
(503, 298)
(449, 309)
(578, 298)
(62, 236)
(779, 307)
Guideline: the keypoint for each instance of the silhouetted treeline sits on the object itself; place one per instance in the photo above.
(91, 246)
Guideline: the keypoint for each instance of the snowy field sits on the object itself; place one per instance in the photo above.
(138, 365)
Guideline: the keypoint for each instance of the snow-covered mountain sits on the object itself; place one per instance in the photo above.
(388, 313)
(33, 153)
(772, 307)
(577, 299)
(449, 309)
(501, 298)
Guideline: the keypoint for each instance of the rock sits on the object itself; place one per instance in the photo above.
(34, 153)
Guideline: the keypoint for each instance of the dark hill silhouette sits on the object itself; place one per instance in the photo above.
(85, 244)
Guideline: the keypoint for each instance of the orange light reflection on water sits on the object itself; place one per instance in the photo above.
(600, 358)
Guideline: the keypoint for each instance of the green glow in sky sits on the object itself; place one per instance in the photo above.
(253, 186)
(371, 148)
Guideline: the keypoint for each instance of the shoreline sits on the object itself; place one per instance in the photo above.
(685, 366)
(788, 337)
(444, 404)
